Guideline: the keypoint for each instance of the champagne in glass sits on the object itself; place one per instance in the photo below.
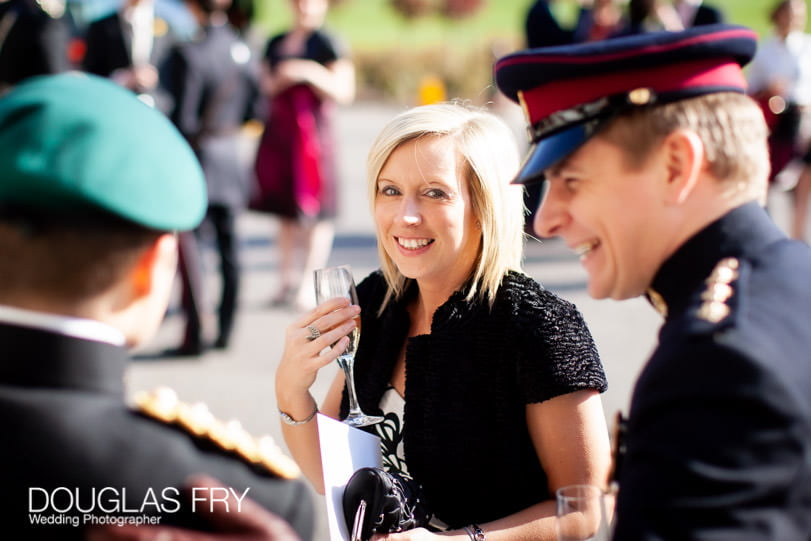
(334, 282)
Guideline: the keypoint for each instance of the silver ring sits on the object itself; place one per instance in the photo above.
(314, 333)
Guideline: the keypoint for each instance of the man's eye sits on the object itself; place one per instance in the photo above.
(570, 182)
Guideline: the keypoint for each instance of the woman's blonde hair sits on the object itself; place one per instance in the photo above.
(490, 153)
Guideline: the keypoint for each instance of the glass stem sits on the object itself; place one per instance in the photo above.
(348, 364)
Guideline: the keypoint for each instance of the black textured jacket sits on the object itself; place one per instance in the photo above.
(467, 385)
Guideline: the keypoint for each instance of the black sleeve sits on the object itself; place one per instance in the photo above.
(713, 440)
(558, 352)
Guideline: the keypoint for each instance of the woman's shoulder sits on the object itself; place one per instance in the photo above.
(522, 290)
(532, 308)
(328, 43)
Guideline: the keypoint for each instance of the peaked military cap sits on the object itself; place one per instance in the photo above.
(567, 92)
(74, 143)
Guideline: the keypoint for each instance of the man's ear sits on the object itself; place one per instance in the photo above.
(684, 155)
(156, 260)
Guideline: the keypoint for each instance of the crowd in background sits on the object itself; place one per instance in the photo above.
(211, 82)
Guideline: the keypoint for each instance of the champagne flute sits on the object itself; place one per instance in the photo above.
(583, 513)
(334, 282)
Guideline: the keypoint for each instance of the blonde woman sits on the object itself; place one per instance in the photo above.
(488, 383)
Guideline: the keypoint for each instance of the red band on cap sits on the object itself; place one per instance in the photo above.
(565, 94)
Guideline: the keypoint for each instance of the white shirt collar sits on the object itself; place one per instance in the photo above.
(87, 329)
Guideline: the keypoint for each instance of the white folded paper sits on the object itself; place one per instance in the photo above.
(344, 450)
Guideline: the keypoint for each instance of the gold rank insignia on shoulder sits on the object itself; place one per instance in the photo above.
(718, 290)
(657, 301)
(163, 404)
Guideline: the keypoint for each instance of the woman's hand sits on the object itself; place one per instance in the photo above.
(304, 355)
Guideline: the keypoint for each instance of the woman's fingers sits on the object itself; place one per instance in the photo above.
(321, 310)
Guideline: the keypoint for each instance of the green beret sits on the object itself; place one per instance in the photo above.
(74, 142)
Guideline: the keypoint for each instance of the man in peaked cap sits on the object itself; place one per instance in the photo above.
(93, 186)
(655, 164)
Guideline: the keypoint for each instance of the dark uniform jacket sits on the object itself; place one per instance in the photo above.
(71, 444)
(109, 48)
(719, 433)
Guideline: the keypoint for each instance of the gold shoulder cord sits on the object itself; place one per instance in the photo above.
(163, 404)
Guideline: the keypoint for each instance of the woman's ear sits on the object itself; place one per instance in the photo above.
(684, 155)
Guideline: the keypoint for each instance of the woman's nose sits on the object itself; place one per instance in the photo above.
(410, 212)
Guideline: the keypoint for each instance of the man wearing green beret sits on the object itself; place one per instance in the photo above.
(93, 187)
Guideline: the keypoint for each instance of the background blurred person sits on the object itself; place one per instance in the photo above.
(456, 340)
(33, 39)
(598, 20)
(213, 80)
(306, 72)
(780, 80)
(130, 46)
(697, 13)
(650, 16)
(541, 27)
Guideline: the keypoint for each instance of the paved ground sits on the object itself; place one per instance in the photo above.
(238, 383)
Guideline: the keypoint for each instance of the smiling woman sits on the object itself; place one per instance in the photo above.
(457, 341)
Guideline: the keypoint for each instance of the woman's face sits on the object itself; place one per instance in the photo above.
(423, 213)
(310, 13)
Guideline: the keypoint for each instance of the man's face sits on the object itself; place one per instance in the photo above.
(609, 214)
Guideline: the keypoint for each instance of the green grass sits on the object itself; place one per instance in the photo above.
(373, 24)
(370, 25)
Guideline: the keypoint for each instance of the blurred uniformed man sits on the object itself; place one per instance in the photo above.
(93, 186)
(33, 39)
(131, 46)
(656, 166)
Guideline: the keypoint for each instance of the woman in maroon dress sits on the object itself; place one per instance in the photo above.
(306, 72)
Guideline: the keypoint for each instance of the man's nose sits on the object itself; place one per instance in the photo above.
(551, 215)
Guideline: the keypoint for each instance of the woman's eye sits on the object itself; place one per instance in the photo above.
(388, 190)
(436, 193)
